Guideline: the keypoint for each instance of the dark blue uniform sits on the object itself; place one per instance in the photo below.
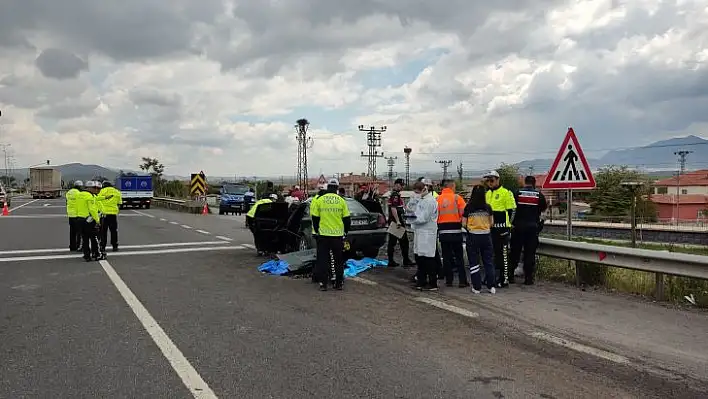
(530, 204)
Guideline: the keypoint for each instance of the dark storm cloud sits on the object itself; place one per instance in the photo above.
(60, 64)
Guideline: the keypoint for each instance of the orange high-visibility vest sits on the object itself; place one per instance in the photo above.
(450, 207)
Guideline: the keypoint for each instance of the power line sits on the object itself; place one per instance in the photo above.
(407, 152)
(445, 164)
(303, 143)
(682, 154)
(391, 162)
(373, 141)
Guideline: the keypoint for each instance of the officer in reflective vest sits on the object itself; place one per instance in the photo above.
(331, 222)
(87, 211)
(503, 206)
(110, 199)
(450, 210)
(527, 224)
(74, 223)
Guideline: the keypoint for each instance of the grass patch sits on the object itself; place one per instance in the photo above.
(625, 280)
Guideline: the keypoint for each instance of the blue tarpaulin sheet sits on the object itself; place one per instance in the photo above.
(351, 268)
(277, 267)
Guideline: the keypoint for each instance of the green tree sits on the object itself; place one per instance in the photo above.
(612, 199)
(156, 169)
(509, 176)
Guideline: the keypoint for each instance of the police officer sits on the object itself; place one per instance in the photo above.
(110, 199)
(503, 206)
(267, 199)
(74, 223)
(331, 223)
(87, 212)
(530, 204)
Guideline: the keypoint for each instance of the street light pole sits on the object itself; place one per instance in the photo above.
(633, 186)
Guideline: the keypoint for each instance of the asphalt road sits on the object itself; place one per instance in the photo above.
(181, 311)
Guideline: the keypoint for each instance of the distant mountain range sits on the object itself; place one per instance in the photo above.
(656, 159)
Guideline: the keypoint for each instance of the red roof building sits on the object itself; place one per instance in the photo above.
(691, 207)
(689, 183)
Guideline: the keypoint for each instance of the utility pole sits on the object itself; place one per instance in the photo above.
(373, 141)
(682, 168)
(390, 162)
(303, 143)
(6, 158)
(633, 186)
(445, 164)
(460, 173)
(407, 153)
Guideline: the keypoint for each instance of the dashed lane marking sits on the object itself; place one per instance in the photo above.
(190, 377)
(249, 246)
(145, 214)
(174, 223)
(448, 307)
(224, 238)
(163, 219)
(202, 231)
(126, 253)
(20, 206)
(363, 281)
(186, 227)
(580, 347)
(55, 215)
(141, 246)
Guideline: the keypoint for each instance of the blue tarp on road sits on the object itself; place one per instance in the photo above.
(351, 268)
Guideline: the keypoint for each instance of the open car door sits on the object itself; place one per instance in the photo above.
(372, 206)
(269, 223)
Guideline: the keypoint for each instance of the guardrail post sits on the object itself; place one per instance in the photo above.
(659, 286)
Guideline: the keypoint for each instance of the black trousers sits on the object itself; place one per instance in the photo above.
(74, 233)
(500, 242)
(89, 237)
(405, 248)
(109, 222)
(453, 257)
(524, 239)
(427, 275)
(330, 259)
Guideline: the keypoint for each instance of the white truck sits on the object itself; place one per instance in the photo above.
(45, 182)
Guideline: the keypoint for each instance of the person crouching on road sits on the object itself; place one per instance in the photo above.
(250, 221)
(331, 223)
(425, 226)
(477, 221)
(74, 221)
(87, 211)
(110, 199)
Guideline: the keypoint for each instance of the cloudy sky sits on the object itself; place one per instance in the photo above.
(216, 85)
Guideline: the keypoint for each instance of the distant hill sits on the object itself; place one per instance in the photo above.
(654, 156)
(74, 171)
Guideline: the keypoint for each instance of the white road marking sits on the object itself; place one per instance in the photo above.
(141, 246)
(144, 214)
(448, 307)
(190, 377)
(580, 347)
(186, 227)
(126, 253)
(223, 238)
(25, 204)
(174, 223)
(363, 280)
(249, 246)
(47, 205)
(202, 231)
(163, 219)
(57, 215)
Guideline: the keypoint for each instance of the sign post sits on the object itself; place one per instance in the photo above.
(570, 171)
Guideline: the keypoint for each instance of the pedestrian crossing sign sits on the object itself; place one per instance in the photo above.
(570, 169)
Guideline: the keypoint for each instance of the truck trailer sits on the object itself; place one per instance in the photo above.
(136, 190)
(45, 182)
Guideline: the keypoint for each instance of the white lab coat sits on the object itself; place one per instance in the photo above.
(425, 226)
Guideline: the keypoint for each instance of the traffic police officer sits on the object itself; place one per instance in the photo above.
(87, 212)
(331, 223)
(250, 222)
(110, 199)
(503, 206)
(527, 224)
(74, 223)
